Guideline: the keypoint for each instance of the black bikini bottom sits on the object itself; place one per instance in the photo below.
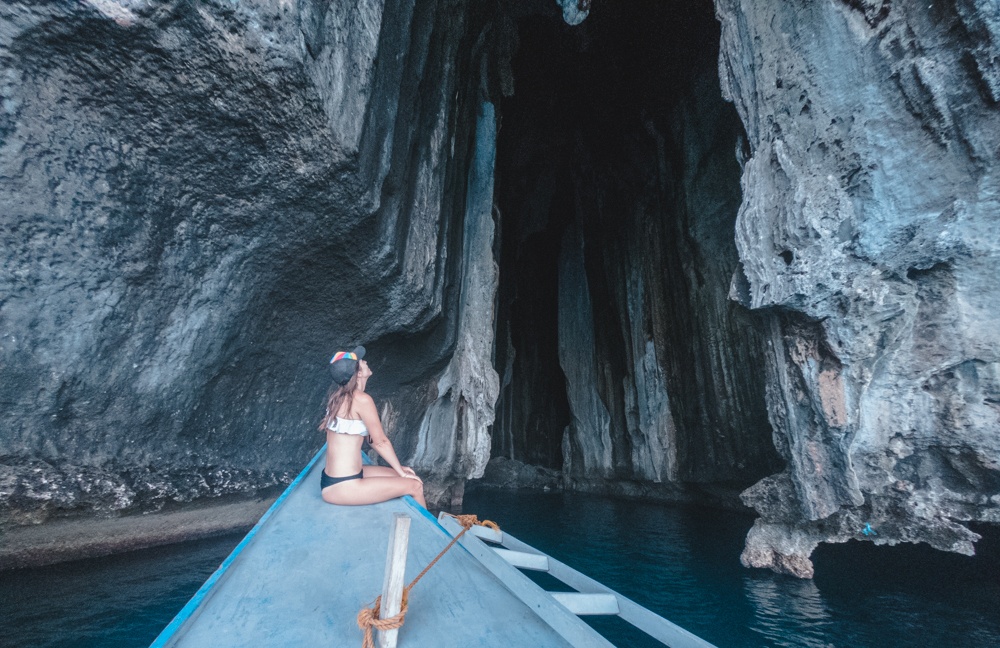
(326, 480)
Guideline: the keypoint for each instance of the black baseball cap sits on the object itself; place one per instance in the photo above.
(343, 364)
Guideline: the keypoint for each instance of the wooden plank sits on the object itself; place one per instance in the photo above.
(487, 534)
(395, 572)
(580, 604)
(560, 619)
(652, 624)
(523, 560)
(649, 622)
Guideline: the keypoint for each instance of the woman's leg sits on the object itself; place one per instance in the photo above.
(374, 490)
(378, 471)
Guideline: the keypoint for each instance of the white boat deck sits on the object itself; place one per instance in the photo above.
(301, 576)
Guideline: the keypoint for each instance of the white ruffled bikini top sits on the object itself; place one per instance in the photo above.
(347, 426)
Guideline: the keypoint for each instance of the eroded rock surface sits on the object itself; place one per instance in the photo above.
(869, 232)
(199, 204)
(502, 472)
(615, 322)
(797, 290)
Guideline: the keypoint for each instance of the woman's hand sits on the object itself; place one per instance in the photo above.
(409, 474)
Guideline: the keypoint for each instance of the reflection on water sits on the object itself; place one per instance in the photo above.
(788, 613)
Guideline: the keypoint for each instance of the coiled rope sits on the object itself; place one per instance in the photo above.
(368, 617)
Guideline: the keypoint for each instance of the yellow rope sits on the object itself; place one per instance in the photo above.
(368, 617)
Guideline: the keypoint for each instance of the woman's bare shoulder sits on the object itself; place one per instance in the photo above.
(364, 408)
(361, 399)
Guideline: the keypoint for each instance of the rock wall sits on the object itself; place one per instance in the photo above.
(198, 204)
(586, 443)
(620, 214)
(868, 234)
(682, 366)
(453, 443)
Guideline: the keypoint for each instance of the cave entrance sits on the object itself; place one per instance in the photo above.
(617, 187)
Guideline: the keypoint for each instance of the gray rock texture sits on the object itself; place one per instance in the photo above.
(586, 443)
(199, 203)
(502, 472)
(453, 438)
(869, 235)
(657, 249)
(615, 321)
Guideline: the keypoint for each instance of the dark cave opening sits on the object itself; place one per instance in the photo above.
(617, 136)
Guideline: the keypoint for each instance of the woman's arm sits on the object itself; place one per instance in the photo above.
(365, 408)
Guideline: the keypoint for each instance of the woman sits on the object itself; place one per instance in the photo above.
(350, 417)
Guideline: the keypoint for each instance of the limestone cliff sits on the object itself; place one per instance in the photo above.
(199, 203)
(868, 234)
(663, 248)
(615, 322)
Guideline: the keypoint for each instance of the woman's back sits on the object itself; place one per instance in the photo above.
(351, 416)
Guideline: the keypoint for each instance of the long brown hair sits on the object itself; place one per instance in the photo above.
(342, 394)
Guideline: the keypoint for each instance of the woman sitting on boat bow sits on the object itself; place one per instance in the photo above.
(350, 417)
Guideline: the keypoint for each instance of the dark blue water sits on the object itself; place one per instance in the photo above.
(681, 562)
(111, 602)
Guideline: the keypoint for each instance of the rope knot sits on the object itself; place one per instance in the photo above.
(470, 520)
(368, 617)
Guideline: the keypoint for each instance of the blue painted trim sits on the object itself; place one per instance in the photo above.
(422, 511)
(409, 500)
(192, 605)
(188, 610)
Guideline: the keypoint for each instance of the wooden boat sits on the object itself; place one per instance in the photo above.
(304, 571)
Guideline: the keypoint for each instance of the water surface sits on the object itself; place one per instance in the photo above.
(681, 562)
(112, 602)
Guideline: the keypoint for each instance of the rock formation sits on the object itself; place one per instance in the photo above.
(617, 254)
(868, 232)
(666, 249)
(199, 205)
(865, 251)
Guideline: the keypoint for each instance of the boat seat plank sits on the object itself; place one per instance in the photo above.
(580, 604)
(522, 560)
(566, 623)
(488, 534)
